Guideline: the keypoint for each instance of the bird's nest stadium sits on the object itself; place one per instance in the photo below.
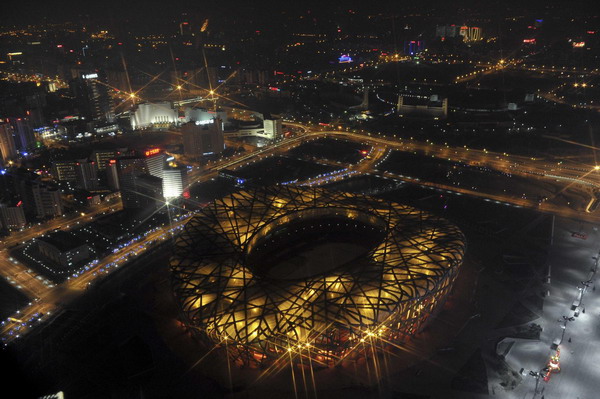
(290, 272)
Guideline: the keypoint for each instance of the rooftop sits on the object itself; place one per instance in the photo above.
(62, 240)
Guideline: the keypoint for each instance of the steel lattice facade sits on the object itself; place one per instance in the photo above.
(403, 279)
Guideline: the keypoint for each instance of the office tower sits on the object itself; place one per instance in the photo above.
(87, 175)
(12, 215)
(128, 170)
(64, 171)
(155, 161)
(273, 127)
(112, 175)
(413, 47)
(40, 200)
(48, 200)
(149, 192)
(93, 100)
(102, 157)
(8, 150)
(202, 139)
(174, 181)
(22, 133)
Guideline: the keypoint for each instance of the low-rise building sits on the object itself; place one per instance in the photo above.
(63, 248)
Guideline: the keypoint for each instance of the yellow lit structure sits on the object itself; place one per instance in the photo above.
(236, 289)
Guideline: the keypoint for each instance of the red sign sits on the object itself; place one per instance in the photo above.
(152, 151)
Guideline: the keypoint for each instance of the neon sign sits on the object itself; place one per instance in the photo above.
(153, 151)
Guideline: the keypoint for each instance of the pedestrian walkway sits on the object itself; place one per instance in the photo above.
(570, 321)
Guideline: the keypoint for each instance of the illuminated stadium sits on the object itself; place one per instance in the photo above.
(294, 273)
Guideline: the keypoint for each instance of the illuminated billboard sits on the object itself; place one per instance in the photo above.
(153, 151)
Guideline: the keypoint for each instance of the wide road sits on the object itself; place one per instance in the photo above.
(65, 222)
(52, 300)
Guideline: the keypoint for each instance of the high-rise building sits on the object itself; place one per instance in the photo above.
(23, 133)
(129, 169)
(273, 127)
(87, 174)
(155, 161)
(112, 175)
(447, 31)
(40, 200)
(174, 181)
(12, 215)
(64, 171)
(185, 28)
(202, 139)
(149, 192)
(8, 150)
(413, 47)
(48, 200)
(102, 157)
(470, 34)
(93, 100)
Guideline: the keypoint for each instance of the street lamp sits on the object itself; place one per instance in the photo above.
(537, 375)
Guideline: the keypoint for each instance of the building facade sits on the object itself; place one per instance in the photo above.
(202, 139)
(64, 171)
(129, 169)
(8, 149)
(63, 248)
(154, 114)
(87, 175)
(90, 90)
(155, 161)
(174, 181)
(12, 216)
(273, 128)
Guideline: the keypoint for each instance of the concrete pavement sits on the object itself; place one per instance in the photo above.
(571, 260)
